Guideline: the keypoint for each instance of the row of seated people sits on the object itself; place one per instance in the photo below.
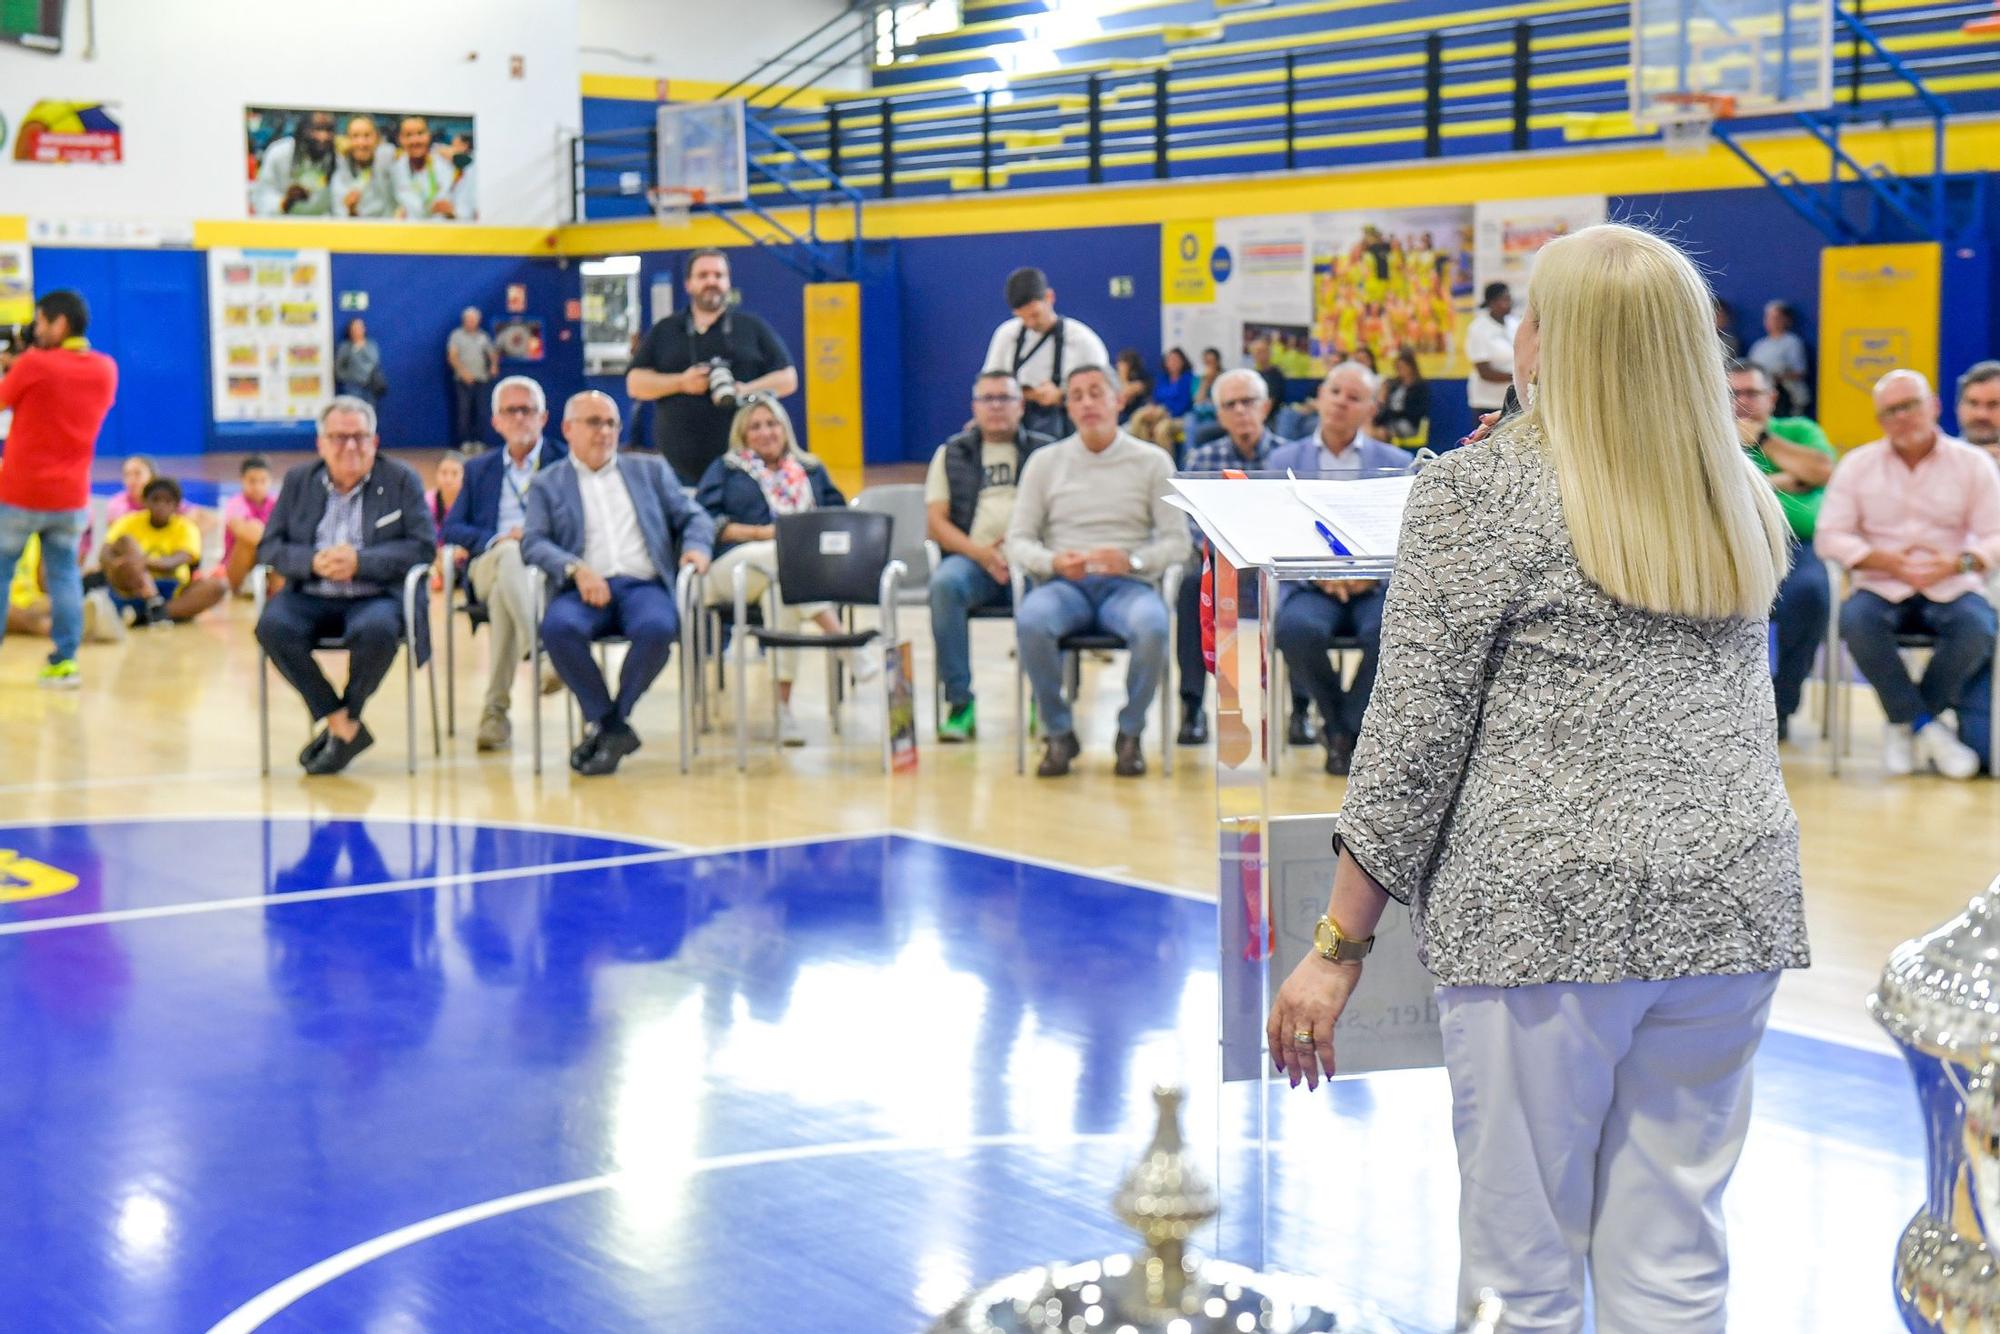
(1913, 520)
(1089, 526)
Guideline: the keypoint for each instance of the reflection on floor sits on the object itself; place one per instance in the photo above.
(391, 1075)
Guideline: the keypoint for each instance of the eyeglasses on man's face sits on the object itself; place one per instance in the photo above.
(348, 439)
(1893, 411)
(994, 400)
(518, 410)
(1239, 404)
(596, 423)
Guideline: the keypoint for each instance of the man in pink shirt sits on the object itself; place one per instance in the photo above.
(1915, 519)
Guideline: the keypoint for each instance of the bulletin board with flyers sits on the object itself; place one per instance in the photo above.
(270, 317)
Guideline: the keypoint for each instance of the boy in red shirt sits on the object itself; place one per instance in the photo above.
(60, 391)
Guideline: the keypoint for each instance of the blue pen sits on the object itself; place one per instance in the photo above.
(1331, 540)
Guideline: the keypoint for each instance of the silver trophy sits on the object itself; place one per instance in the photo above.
(1165, 1286)
(1939, 998)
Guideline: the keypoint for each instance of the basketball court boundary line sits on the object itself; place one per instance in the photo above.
(195, 907)
(277, 1298)
(451, 821)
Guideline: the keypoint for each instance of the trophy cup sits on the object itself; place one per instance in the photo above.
(1165, 1286)
(1939, 998)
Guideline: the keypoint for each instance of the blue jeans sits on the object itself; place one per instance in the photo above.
(1800, 620)
(958, 587)
(643, 611)
(1105, 603)
(1308, 623)
(1964, 630)
(60, 531)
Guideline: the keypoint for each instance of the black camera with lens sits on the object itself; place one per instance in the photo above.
(721, 383)
(16, 338)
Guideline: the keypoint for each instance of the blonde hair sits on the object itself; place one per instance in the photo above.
(739, 425)
(1664, 510)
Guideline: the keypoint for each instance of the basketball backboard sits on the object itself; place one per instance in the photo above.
(702, 151)
(1766, 56)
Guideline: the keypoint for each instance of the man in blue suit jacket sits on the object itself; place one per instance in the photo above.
(487, 521)
(1312, 616)
(609, 532)
(344, 533)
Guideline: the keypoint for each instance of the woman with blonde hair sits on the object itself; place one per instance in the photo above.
(764, 474)
(1569, 772)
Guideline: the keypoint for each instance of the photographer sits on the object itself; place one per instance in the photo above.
(60, 391)
(676, 364)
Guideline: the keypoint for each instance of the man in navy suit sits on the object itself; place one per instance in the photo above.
(1312, 616)
(609, 532)
(344, 534)
(487, 521)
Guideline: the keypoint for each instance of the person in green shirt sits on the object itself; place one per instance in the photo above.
(1797, 458)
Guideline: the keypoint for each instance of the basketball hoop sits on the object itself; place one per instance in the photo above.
(671, 205)
(1686, 120)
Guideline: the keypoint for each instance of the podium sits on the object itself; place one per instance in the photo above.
(1274, 869)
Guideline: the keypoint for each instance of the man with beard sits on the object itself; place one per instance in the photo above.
(295, 176)
(1979, 407)
(672, 367)
(360, 176)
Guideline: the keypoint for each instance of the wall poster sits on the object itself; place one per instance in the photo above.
(270, 316)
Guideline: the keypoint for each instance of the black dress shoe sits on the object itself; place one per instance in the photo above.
(1194, 727)
(1131, 757)
(1055, 759)
(580, 753)
(337, 754)
(1299, 732)
(314, 747)
(1339, 753)
(614, 743)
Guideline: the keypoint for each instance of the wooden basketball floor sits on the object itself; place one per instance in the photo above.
(807, 1047)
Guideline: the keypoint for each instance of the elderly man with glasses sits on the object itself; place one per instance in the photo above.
(1915, 519)
(344, 533)
(487, 522)
(1242, 400)
(609, 532)
(969, 493)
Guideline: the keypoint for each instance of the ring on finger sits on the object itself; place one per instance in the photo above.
(1302, 1038)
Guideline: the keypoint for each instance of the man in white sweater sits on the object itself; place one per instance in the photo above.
(1092, 529)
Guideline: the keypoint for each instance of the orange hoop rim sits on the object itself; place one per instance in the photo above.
(1719, 106)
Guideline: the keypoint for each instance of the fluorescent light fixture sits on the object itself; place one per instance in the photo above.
(611, 265)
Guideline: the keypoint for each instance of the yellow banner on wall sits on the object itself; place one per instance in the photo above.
(833, 379)
(1187, 276)
(1878, 312)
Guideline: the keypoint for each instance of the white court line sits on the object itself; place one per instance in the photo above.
(195, 906)
(327, 816)
(192, 907)
(275, 1299)
(1050, 864)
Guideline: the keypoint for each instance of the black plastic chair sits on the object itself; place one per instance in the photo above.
(413, 583)
(839, 557)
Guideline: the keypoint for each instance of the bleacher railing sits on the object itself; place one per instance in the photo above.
(1482, 87)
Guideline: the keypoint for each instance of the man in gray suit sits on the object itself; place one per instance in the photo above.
(609, 532)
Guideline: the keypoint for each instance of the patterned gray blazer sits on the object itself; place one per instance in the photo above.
(1565, 788)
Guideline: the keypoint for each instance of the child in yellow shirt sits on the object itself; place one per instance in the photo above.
(150, 557)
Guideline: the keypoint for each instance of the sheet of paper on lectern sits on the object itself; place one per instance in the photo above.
(1268, 521)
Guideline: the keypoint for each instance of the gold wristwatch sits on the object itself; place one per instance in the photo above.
(1336, 948)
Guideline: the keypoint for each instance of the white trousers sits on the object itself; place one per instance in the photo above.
(722, 593)
(504, 582)
(1596, 1129)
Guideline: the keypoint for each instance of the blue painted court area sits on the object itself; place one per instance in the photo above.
(390, 1076)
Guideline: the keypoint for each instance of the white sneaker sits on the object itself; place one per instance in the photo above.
(789, 731)
(1938, 743)
(101, 622)
(864, 664)
(1898, 750)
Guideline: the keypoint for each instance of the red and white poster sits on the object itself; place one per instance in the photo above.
(55, 131)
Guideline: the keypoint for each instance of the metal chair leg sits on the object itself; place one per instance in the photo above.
(535, 681)
(742, 695)
(833, 690)
(264, 709)
(430, 675)
(410, 699)
(450, 654)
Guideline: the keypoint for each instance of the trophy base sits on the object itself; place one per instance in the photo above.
(1946, 1283)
